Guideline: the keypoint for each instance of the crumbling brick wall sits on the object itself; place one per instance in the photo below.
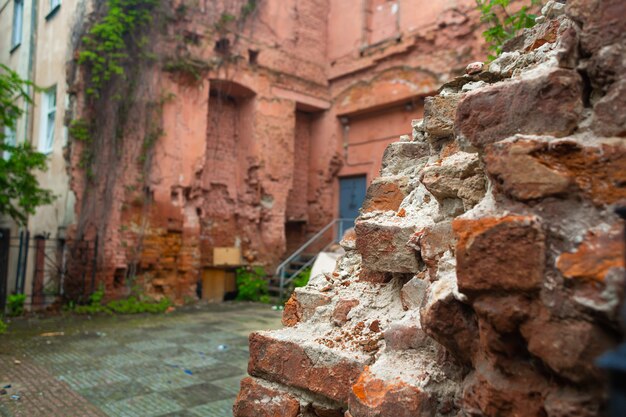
(484, 274)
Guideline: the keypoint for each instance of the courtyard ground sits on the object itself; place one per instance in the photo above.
(185, 363)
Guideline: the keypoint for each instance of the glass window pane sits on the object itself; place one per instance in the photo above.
(9, 139)
(46, 138)
(18, 13)
(50, 132)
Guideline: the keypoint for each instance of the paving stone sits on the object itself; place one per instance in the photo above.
(89, 379)
(171, 379)
(215, 408)
(195, 395)
(191, 361)
(138, 368)
(150, 345)
(151, 405)
(118, 391)
(220, 371)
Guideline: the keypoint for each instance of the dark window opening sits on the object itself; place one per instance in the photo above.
(222, 45)
(253, 56)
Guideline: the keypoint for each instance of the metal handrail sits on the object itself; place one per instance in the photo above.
(280, 269)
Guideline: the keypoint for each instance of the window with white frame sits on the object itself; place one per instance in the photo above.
(48, 115)
(54, 4)
(18, 18)
(8, 139)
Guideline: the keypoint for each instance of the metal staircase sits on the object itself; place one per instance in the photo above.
(281, 283)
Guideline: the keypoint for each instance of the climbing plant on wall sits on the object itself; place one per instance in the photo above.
(106, 46)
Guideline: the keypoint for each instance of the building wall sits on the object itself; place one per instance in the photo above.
(305, 92)
(42, 58)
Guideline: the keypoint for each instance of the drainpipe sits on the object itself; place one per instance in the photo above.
(29, 125)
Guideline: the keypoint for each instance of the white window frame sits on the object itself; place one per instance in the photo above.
(18, 24)
(54, 4)
(48, 119)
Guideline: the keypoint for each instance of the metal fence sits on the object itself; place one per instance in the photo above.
(46, 268)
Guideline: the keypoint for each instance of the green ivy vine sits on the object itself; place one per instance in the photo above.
(105, 46)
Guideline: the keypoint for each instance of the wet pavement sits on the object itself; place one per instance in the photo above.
(186, 363)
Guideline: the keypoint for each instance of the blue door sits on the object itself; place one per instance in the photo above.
(351, 196)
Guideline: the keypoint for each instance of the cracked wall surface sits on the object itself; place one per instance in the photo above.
(485, 272)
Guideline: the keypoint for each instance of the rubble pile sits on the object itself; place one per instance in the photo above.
(484, 274)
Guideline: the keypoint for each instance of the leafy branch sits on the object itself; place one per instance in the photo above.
(20, 193)
(502, 23)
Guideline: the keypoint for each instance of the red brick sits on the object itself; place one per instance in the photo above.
(286, 362)
(374, 397)
(453, 325)
(255, 400)
(505, 253)
(600, 252)
(384, 194)
(488, 392)
(527, 169)
(548, 104)
(568, 347)
(342, 309)
(382, 244)
(375, 277)
(292, 312)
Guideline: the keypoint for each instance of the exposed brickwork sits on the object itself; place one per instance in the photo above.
(494, 285)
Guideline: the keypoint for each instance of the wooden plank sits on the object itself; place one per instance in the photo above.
(213, 284)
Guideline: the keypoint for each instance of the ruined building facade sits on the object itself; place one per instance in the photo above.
(242, 123)
(494, 284)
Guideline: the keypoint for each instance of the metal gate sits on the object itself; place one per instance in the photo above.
(5, 243)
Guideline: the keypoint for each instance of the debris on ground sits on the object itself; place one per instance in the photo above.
(52, 334)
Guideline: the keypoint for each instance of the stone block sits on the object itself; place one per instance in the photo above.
(432, 242)
(256, 400)
(292, 312)
(543, 102)
(374, 277)
(568, 347)
(529, 168)
(439, 115)
(286, 362)
(499, 253)
(450, 322)
(518, 173)
(382, 243)
(342, 309)
(488, 392)
(609, 117)
(457, 176)
(413, 292)
(404, 158)
(385, 193)
(504, 313)
(309, 299)
(405, 335)
(602, 21)
(376, 397)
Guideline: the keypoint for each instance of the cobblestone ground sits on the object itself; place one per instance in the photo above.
(187, 363)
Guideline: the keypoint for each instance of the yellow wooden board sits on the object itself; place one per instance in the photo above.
(213, 285)
(227, 256)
